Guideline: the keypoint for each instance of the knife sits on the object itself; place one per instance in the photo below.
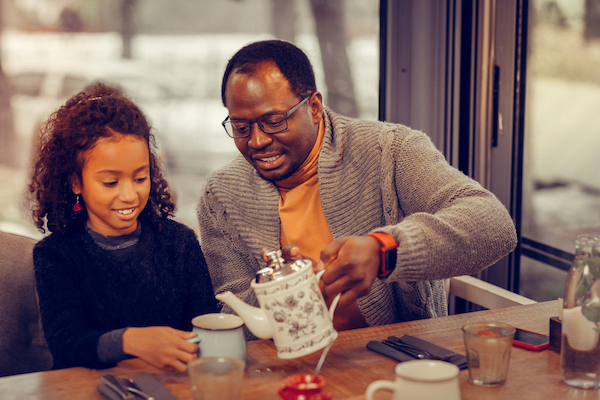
(417, 353)
(113, 382)
(447, 355)
(388, 351)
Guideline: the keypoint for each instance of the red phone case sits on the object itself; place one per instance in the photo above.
(530, 346)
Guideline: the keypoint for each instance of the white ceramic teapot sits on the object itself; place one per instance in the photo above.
(292, 309)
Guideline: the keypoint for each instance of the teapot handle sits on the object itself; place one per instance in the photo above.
(336, 298)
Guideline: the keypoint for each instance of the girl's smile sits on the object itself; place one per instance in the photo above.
(115, 184)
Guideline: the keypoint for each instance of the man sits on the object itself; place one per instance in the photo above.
(352, 194)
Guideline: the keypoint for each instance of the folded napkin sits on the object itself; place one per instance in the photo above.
(147, 383)
(459, 360)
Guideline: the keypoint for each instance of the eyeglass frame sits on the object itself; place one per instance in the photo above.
(253, 121)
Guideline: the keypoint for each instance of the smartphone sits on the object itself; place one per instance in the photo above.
(530, 340)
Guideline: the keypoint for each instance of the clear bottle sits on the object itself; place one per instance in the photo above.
(580, 347)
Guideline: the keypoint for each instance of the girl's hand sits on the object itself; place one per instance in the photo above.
(163, 347)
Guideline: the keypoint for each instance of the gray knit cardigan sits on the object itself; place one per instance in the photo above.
(373, 176)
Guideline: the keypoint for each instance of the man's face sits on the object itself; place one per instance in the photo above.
(263, 92)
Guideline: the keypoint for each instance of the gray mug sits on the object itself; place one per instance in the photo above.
(220, 335)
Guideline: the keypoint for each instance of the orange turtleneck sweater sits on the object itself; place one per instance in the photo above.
(303, 223)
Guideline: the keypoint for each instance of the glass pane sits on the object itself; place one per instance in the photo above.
(561, 188)
(540, 281)
(172, 67)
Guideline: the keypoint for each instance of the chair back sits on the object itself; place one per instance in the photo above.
(23, 348)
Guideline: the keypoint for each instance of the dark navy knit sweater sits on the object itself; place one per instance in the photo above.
(86, 291)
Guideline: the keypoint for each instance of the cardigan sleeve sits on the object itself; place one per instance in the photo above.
(231, 264)
(452, 226)
(70, 341)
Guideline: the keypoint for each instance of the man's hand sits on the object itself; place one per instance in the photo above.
(163, 347)
(351, 264)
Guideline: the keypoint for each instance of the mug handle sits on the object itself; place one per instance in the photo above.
(195, 339)
(335, 300)
(377, 385)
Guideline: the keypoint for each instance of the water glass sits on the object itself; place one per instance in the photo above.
(488, 346)
(216, 378)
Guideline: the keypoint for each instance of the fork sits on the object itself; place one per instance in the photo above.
(415, 351)
(134, 388)
(113, 382)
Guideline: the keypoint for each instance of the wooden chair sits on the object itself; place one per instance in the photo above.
(483, 293)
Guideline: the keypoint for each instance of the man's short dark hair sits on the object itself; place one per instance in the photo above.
(291, 61)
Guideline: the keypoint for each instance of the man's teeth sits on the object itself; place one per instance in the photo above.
(269, 159)
(128, 211)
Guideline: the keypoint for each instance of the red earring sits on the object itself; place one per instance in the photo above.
(77, 207)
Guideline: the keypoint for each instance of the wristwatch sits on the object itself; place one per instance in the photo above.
(387, 253)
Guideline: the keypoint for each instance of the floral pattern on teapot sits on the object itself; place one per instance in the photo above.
(296, 312)
(308, 344)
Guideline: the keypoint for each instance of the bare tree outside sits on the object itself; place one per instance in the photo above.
(7, 133)
(330, 25)
(592, 20)
(331, 30)
(127, 25)
(283, 19)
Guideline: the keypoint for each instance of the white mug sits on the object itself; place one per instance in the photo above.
(421, 380)
(220, 335)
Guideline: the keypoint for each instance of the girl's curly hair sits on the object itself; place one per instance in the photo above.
(99, 111)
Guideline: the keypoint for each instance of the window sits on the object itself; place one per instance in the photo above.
(561, 179)
(172, 67)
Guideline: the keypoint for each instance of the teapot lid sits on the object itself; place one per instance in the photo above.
(278, 268)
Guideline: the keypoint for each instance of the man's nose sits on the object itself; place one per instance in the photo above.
(258, 139)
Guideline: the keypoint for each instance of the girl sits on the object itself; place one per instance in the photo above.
(116, 278)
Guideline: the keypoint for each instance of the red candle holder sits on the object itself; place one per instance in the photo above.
(303, 386)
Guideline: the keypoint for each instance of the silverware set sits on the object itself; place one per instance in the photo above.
(398, 344)
(127, 389)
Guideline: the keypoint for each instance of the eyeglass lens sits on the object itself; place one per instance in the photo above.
(269, 124)
(274, 123)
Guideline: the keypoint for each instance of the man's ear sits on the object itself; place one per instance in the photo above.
(75, 184)
(316, 107)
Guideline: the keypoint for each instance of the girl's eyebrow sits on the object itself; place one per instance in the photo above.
(110, 171)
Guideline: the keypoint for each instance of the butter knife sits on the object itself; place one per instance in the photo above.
(400, 342)
(411, 351)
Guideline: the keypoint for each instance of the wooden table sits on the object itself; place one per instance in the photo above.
(349, 368)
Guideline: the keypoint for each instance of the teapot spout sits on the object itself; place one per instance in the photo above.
(254, 318)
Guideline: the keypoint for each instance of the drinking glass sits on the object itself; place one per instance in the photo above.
(216, 378)
(488, 346)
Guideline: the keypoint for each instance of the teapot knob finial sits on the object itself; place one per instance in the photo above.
(275, 259)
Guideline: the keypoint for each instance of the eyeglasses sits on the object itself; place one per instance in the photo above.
(272, 123)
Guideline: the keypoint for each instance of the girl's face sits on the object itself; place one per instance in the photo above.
(115, 184)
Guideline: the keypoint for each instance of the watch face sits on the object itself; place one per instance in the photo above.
(390, 259)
